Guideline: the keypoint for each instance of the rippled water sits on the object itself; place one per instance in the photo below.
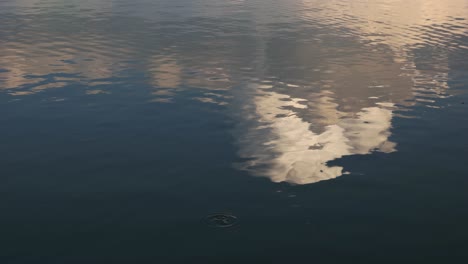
(331, 130)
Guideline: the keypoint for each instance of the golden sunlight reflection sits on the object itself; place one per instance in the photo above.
(347, 106)
(296, 154)
(314, 80)
(165, 77)
(25, 74)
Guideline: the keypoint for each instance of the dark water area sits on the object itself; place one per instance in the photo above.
(328, 131)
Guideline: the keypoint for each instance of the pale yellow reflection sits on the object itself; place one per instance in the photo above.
(165, 72)
(166, 77)
(27, 66)
(298, 155)
(300, 128)
(97, 91)
(402, 26)
(299, 132)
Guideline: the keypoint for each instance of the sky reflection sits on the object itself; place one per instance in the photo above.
(313, 80)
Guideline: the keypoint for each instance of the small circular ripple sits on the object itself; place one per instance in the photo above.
(222, 220)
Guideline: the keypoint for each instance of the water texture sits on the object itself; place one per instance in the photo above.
(331, 131)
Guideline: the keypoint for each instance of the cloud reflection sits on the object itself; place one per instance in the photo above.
(345, 104)
(314, 80)
(296, 154)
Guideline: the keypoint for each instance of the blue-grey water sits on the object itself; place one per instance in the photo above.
(335, 131)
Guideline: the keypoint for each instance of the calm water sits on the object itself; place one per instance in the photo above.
(335, 131)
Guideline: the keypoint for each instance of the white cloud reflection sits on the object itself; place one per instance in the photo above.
(296, 154)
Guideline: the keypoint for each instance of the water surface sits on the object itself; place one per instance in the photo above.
(333, 130)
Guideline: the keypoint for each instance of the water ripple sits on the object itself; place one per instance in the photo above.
(308, 81)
